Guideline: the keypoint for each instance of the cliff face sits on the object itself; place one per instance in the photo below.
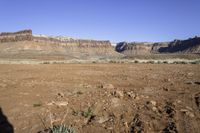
(25, 35)
(26, 44)
(191, 45)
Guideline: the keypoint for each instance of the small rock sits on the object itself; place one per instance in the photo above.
(187, 112)
(189, 108)
(190, 74)
(62, 103)
(103, 119)
(184, 110)
(118, 94)
(165, 89)
(153, 103)
(178, 101)
(131, 94)
(154, 109)
(60, 94)
(115, 102)
(190, 114)
(108, 86)
(137, 97)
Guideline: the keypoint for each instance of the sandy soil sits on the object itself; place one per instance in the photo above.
(102, 98)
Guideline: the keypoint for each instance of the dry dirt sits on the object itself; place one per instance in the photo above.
(102, 98)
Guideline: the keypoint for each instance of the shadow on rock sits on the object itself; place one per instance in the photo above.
(5, 126)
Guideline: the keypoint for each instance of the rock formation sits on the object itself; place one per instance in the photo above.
(25, 45)
(25, 35)
(189, 46)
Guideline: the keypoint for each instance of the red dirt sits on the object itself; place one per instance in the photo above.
(122, 97)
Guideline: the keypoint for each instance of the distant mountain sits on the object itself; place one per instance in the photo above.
(189, 46)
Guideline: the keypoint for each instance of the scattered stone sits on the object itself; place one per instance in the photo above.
(178, 101)
(103, 119)
(154, 109)
(153, 103)
(61, 103)
(190, 74)
(119, 94)
(60, 94)
(187, 112)
(108, 86)
(165, 89)
(115, 102)
(131, 94)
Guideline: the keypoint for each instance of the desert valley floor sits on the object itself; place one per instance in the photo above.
(102, 98)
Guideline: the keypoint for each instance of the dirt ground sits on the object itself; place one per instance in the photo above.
(101, 98)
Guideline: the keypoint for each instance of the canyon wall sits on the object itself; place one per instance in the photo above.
(189, 46)
(24, 44)
(25, 35)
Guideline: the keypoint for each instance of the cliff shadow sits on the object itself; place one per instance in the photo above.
(5, 125)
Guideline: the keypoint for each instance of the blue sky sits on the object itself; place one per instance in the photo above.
(115, 20)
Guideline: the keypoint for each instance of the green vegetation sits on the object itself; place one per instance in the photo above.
(88, 114)
(62, 129)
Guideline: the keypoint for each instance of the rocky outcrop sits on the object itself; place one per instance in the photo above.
(191, 45)
(72, 42)
(25, 35)
(24, 45)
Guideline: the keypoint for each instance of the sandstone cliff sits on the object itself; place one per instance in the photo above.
(189, 46)
(25, 35)
(23, 44)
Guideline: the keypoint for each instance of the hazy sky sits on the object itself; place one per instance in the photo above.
(115, 20)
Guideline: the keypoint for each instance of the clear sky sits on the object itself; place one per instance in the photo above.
(115, 20)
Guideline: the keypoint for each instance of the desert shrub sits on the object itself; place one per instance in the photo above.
(136, 61)
(150, 62)
(46, 62)
(62, 129)
(87, 114)
(194, 62)
(112, 61)
(165, 62)
(159, 62)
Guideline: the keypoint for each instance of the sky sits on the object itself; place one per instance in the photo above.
(114, 20)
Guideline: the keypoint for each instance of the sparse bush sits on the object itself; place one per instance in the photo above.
(112, 61)
(88, 114)
(165, 62)
(46, 62)
(136, 61)
(159, 62)
(151, 62)
(62, 129)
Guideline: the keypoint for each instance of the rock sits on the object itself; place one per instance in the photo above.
(153, 103)
(178, 101)
(154, 109)
(108, 86)
(187, 112)
(119, 94)
(131, 94)
(190, 114)
(115, 102)
(60, 103)
(60, 94)
(165, 89)
(103, 119)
